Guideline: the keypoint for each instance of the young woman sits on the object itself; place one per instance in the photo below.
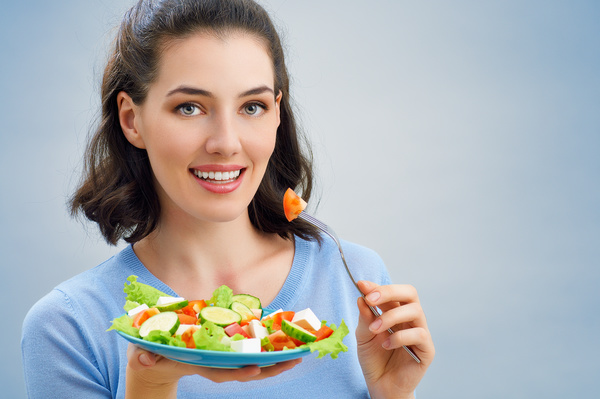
(189, 164)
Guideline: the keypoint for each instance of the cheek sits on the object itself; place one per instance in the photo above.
(261, 150)
(166, 151)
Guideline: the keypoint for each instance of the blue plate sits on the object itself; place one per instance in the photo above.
(217, 359)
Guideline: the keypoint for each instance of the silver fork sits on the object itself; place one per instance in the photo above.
(327, 230)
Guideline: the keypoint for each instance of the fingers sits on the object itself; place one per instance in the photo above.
(140, 360)
(410, 314)
(244, 374)
(414, 337)
(278, 368)
(378, 295)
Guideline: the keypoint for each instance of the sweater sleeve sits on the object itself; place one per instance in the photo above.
(57, 358)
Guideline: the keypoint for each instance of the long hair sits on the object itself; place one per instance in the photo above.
(117, 190)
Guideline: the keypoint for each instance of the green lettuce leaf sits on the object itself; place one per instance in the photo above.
(209, 336)
(266, 344)
(332, 345)
(163, 337)
(222, 297)
(269, 325)
(130, 305)
(141, 293)
(237, 337)
(125, 325)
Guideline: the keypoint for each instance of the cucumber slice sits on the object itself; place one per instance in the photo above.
(295, 331)
(220, 316)
(242, 309)
(165, 321)
(251, 301)
(172, 306)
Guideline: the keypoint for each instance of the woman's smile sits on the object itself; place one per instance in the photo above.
(219, 179)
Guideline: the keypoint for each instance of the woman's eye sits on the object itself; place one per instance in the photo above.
(188, 109)
(254, 109)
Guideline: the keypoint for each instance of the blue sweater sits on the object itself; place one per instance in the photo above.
(67, 352)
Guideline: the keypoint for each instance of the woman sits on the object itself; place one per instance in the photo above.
(195, 148)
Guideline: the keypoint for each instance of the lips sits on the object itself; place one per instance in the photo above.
(219, 179)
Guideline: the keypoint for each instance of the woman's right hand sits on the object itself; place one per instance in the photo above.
(153, 376)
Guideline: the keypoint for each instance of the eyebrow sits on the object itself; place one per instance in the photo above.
(205, 93)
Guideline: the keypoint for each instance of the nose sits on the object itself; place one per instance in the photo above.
(223, 138)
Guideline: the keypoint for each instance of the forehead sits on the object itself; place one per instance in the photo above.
(207, 58)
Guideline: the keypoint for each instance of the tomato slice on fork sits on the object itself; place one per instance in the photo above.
(293, 205)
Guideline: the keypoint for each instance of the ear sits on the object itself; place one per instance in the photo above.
(128, 112)
(277, 106)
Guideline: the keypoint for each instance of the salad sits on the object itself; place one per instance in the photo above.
(225, 322)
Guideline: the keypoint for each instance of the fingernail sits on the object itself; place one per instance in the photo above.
(386, 344)
(144, 359)
(375, 325)
(373, 296)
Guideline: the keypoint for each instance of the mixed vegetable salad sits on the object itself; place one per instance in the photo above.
(225, 322)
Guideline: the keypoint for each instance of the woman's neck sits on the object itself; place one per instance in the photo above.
(194, 258)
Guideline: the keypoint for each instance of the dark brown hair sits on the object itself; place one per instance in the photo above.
(117, 191)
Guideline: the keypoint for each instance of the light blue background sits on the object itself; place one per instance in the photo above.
(459, 139)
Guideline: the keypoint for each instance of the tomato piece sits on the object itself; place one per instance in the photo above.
(279, 340)
(279, 317)
(235, 328)
(144, 315)
(293, 205)
(188, 338)
(297, 342)
(192, 308)
(197, 305)
(187, 319)
(188, 310)
(246, 321)
(323, 332)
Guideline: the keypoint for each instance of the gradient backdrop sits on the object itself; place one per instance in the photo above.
(461, 140)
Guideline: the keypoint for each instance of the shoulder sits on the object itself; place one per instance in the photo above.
(98, 288)
(365, 263)
(328, 247)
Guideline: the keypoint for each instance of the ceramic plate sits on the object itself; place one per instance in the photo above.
(217, 359)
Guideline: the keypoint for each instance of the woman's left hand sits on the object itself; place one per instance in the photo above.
(390, 372)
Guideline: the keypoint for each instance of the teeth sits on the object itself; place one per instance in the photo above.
(219, 176)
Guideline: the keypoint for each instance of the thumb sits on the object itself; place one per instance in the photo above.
(138, 358)
(365, 316)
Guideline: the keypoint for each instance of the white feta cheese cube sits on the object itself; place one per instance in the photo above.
(165, 300)
(137, 310)
(183, 328)
(307, 319)
(248, 345)
(257, 330)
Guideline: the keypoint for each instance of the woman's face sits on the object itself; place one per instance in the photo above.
(209, 124)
